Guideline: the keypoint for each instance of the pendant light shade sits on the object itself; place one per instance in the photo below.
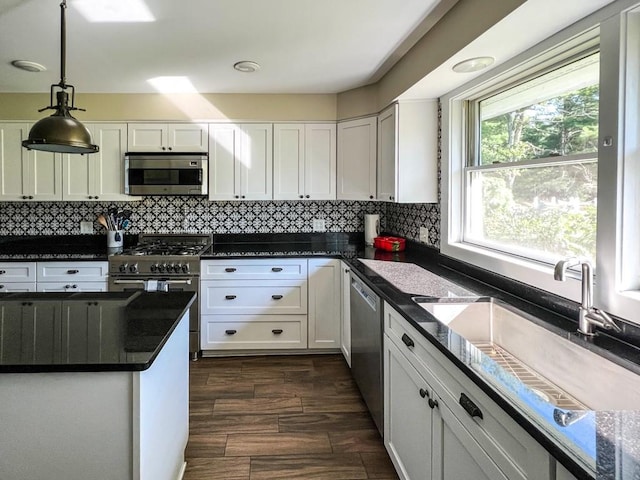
(61, 132)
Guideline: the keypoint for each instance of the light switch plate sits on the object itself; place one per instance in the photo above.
(424, 234)
(86, 227)
(318, 225)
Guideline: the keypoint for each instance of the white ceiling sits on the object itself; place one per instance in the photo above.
(303, 46)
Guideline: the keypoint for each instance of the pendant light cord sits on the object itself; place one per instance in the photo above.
(63, 44)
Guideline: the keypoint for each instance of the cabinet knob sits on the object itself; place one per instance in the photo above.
(30, 197)
(71, 272)
(230, 332)
(276, 269)
(276, 331)
(24, 197)
(96, 197)
(230, 297)
(170, 148)
(370, 197)
(346, 270)
(390, 197)
(164, 148)
(301, 196)
(470, 407)
(407, 340)
(2, 272)
(1, 286)
(433, 403)
(307, 196)
(242, 196)
(423, 393)
(277, 297)
(236, 196)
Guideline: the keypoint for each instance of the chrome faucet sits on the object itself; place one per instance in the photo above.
(590, 316)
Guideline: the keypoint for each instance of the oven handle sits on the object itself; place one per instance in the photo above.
(168, 282)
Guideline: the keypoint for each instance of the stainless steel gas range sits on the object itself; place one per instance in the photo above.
(163, 262)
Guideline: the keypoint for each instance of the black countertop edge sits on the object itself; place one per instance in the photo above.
(57, 247)
(289, 238)
(95, 367)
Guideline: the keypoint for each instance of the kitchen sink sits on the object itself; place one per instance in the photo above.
(551, 365)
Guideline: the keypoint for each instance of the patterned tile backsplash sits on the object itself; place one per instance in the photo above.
(199, 215)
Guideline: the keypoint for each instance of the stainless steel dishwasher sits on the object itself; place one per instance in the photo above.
(366, 347)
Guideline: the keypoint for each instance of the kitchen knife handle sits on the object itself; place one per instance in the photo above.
(407, 340)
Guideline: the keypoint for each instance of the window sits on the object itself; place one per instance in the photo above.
(541, 160)
(531, 182)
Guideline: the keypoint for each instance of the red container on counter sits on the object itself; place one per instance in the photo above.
(390, 244)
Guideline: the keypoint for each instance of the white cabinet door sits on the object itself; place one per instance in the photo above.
(108, 163)
(288, 161)
(356, 171)
(224, 179)
(320, 162)
(188, 137)
(408, 152)
(147, 137)
(345, 316)
(14, 161)
(408, 418)
(324, 303)
(255, 160)
(79, 176)
(457, 454)
(387, 154)
(71, 287)
(45, 175)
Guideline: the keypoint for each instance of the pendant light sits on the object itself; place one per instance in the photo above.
(61, 132)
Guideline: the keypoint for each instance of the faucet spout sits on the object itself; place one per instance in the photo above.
(560, 272)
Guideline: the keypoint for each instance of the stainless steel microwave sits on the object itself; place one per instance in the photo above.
(166, 173)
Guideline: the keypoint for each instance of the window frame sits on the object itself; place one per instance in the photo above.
(604, 30)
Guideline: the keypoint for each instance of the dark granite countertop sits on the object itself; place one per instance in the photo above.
(86, 332)
(24, 248)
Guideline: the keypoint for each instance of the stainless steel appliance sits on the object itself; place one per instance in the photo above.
(166, 173)
(366, 347)
(165, 262)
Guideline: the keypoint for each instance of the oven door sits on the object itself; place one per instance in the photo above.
(174, 284)
(166, 175)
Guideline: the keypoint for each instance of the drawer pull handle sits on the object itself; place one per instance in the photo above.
(71, 272)
(230, 332)
(1, 286)
(230, 270)
(230, 297)
(424, 393)
(276, 331)
(433, 403)
(407, 340)
(276, 297)
(276, 269)
(471, 408)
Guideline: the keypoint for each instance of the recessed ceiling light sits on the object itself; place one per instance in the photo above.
(28, 66)
(246, 66)
(473, 64)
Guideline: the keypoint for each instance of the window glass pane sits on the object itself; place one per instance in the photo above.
(555, 114)
(541, 212)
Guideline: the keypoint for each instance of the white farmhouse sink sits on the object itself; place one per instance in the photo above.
(542, 359)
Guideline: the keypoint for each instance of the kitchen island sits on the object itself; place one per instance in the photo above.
(94, 385)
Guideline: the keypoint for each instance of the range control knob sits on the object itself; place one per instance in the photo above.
(154, 267)
(133, 268)
(123, 268)
(162, 268)
(185, 268)
(177, 268)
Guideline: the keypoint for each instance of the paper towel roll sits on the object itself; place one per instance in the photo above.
(371, 228)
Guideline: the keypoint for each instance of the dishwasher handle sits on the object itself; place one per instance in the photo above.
(370, 298)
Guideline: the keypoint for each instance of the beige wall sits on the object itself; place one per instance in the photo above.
(467, 20)
(24, 106)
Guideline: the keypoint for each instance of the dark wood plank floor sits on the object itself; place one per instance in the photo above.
(281, 417)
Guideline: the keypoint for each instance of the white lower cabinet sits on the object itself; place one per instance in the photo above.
(72, 276)
(17, 277)
(324, 303)
(429, 434)
(345, 314)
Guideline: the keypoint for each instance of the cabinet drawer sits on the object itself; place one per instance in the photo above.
(14, 287)
(257, 269)
(274, 297)
(72, 272)
(222, 332)
(72, 287)
(17, 272)
(515, 452)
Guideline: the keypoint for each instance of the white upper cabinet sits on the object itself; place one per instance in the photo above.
(99, 176)
(161, 137)
(357, 159)
(27, 174)
(304, 161)
(241, 161)
(408, 152)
